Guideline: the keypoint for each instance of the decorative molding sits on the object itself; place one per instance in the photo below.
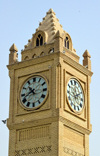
(71, 152)
(31, 151)
(33, 133)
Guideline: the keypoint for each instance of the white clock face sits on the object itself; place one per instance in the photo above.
(34, 92)
(75, 95)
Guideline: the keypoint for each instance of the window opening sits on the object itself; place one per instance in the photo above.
(39, 40)
(51, 50)
(67, 42)
(42, 54)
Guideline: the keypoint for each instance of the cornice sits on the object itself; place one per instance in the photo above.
(31, 123)
(50, 57)
(74, 126)
(34, 61)
(46, 121)
(76, 65)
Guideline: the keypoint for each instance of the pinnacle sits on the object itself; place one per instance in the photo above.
(51, 11)
(13, 48)
(58, 34)
(86, 54)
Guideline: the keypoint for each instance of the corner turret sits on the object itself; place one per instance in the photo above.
(13, 56)
(86, 60)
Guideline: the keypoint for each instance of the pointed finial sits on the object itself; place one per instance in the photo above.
(86, 54)
(86, 60)
(58, 43)
(58, 34)
(13, 56)
(13, 48)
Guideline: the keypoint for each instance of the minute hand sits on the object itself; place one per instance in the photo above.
(32, 91)
(78, 94)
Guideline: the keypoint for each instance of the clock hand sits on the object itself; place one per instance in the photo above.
(39, 91)
(71, 94)
(30, 97)
(32, 91)
(27, 94)
(38, 86)
(78, 94)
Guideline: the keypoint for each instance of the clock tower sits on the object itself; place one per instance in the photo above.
(49, 108)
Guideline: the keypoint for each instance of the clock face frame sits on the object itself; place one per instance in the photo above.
(75, 95)
(33, 92)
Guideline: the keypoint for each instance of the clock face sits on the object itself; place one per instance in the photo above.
(34, 92)
(75, 95)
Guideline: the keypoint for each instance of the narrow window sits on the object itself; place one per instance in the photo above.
(66, 42)
(39, 40)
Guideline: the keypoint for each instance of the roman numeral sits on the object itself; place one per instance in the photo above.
(34, 79)
(69, 98)
(74, 107)
(71, 82)
(28, 103)
(39, 79)
(45, 89)
(74, 82)
(81, 99)
(43, 83)
(33, 104)
(28, 82)
(42, 96)
(67, 91)
(24, 100)
(22, 94)
(39, 102)
(68, 85)
(24, 88)
(78, 108)
(80, 105)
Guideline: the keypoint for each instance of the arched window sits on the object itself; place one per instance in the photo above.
(26, 58)
(34, 56)
(42, 54)
(51, 51)
(66, 42)
(39, 40)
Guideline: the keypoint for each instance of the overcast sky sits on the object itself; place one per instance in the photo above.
(80, 18)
